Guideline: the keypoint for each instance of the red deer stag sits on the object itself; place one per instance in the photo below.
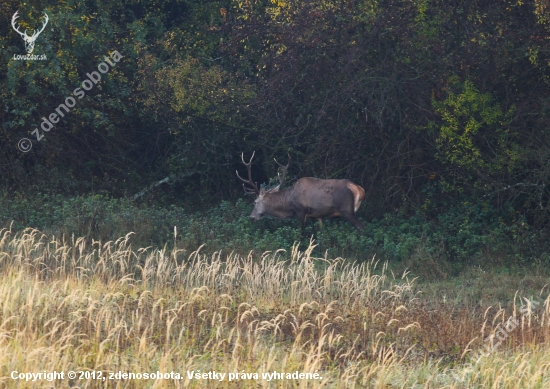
(308, 197)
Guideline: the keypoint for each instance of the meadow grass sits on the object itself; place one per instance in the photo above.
(69, 304)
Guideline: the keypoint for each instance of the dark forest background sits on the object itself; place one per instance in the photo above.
(439, 109)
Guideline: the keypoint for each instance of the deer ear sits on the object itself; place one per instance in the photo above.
(276, 189)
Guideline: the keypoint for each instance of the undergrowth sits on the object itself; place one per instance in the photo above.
(463, 233)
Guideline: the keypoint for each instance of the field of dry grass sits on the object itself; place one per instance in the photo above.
(99, 309)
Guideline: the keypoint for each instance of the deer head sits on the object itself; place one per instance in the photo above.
(262, 202)
(29, 40)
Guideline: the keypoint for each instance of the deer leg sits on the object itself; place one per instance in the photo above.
(302, 216)
(347, 210)
(356, 222)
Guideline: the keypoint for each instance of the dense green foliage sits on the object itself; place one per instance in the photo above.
(439, 109)
(464, 233)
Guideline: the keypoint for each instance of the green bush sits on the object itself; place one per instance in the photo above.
(465, 231)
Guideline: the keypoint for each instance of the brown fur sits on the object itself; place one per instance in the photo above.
(313, 198)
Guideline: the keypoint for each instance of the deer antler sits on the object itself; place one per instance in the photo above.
(253, 184)
(23, 34)
(285, 168)
(44, 23)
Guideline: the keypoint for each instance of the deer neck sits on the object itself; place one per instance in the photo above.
(279, 204)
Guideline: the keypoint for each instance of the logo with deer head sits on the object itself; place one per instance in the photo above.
(29, 40)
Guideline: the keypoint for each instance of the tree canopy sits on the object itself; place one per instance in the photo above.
(421, 102)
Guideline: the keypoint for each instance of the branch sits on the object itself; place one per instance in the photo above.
(173, 178)
(523, 185)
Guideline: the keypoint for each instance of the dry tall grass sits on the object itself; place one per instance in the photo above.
(66, 306)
